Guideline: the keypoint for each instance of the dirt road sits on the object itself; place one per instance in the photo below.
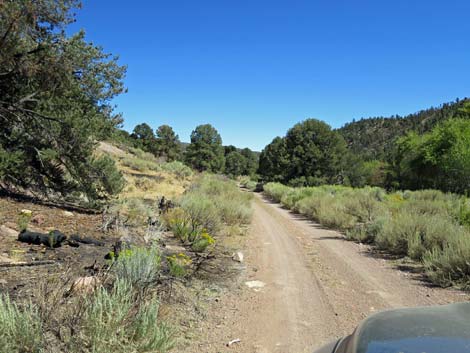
(309, 286)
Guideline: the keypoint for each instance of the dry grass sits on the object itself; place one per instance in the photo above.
(147, 177)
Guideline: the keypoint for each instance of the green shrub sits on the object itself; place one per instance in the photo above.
(450, 265)
(20, 328)
(203, 213)
(141, 165)
(290, 198)
(107, 180)
(234, 211)
(130, 211)
(179, 265)
(276, 191)
(367, 232)
(141, 154)
(117, 320)
(24, 218)
(213, 201)
(202, 242)
(177, 168)
(426, 225)
(139, 266)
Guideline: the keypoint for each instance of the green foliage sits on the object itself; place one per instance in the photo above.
(450, 266)
(144, 138)
(373, 138)
(138, 266)
(248, 183)
(168, 143)
(202, 242)
(114, 320)
(251, 162)
(205, 152)
(21, 328)
(211, 204)
(105, 178)
(314, 150)
(235, 164)
(179, 264)
(179, 169)
(240, 162)
(202, 211)
(439, 159)
(274, 160)
(310, 154)
(428, 225)
(23, 219)
(54, 103)
(141, 165)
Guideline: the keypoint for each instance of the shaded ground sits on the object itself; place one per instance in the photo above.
(313, 286)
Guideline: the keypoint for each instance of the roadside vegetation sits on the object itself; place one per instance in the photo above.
(427, 150)
(428, 226)
(212, 206)
(118, 312)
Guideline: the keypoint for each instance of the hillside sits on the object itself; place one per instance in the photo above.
(373, 137)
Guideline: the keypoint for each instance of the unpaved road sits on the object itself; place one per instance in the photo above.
(317, 286)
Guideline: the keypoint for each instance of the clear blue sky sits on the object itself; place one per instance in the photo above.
(253, 68)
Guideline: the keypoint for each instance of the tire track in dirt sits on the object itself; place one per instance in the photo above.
(317, 287)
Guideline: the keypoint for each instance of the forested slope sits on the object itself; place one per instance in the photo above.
(373, 137)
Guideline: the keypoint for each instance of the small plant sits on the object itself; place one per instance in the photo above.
(118, 320)
(20, 328)
(179, 264)
(139, 266)
(177, 168)
(24, 218)
(202, 242)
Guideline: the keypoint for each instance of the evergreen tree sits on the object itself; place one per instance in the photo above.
(315, 151)
(168, 143)
(144, 138)
(274, 161)
(55, 94)
(251, 161)
(235, 164)
(205, 152)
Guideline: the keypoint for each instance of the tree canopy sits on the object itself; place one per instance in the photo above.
(439, 159)
(310, 153)
(55, 94)
(235, 164)
(168, 143)
(144, 138)
(205, 152)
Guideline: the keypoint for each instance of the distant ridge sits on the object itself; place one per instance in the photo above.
(373, 137)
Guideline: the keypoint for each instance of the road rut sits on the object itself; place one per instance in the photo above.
(317, 287)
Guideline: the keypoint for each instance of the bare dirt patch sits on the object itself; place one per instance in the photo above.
(23, 281)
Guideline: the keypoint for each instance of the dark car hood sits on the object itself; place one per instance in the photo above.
(440, 329)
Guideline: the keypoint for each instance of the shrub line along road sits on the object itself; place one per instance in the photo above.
(317, 286)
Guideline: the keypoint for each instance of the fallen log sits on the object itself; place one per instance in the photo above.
(53, 240)
(25, 263)
(86, 240)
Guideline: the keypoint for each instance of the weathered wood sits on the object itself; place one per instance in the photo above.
(86, 240)
(25, 263)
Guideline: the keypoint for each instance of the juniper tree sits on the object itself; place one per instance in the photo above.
(205, 152)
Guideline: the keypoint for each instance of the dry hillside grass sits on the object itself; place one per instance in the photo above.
(146, 177)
